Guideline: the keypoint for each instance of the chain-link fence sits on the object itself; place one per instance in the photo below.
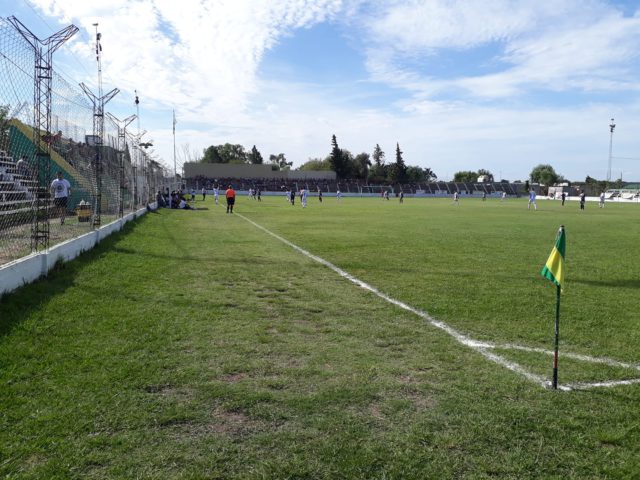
(104, 178)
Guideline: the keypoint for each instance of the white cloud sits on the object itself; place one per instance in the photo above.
(545, 45)
(202, 55)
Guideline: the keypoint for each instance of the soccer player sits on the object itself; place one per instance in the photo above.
(303, 197)
(583, 198)
(61, 189)
(216, 191)
(204, 193)
(504, 196)
(563, 197)
(401, 196)
(320, 195)
(532, 200)
(230, 194)
(601, 204)
(456, 198)
(338, 195)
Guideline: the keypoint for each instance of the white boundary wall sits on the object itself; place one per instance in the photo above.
(28, 269)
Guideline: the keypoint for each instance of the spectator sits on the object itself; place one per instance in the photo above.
(61, 189)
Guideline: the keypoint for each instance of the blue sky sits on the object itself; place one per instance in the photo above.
(461, 85)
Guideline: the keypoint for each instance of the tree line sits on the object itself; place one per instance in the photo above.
(341, 161)
(372, 167)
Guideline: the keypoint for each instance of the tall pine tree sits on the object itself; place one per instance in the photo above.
(337, 159)
(399, 171)
(255, 156)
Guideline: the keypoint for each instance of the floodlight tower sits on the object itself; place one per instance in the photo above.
(122, 145)
(612, 127)
(99, 102)
(43, 76)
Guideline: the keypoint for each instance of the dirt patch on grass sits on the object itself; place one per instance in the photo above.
(233, 377)
(229, 423)
(168, 390)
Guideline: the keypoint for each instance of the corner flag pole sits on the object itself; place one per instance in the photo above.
(557, 342)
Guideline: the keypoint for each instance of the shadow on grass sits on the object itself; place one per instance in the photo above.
(620, 283)
(22, 302)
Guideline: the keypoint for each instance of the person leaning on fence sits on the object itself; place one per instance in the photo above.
(61, 189)
(230, 194)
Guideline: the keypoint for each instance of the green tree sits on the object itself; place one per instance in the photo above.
(316, 164)
(361, 164)
(339, 162)
(465, 176)
(232, 153)
(255, 157)
(398, 170)
(417, 174)
(378, 156)
(279, 162)
(544, 174)
(211, 155)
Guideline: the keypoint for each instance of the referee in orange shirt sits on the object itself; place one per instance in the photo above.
(231, 198)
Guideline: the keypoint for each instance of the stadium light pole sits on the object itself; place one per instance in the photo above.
(612, 127)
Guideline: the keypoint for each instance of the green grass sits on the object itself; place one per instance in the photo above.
(194, 345)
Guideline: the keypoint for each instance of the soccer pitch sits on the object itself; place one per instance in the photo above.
(354, 339)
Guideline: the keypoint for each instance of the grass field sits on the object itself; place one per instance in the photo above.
(197, 345)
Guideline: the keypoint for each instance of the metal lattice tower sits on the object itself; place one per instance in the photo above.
(99, 101)
(612, 127)
(43, 76)
(122, 144)
(137, 145)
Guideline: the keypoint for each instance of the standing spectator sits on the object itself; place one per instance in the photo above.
(61, 189)
(230, 194)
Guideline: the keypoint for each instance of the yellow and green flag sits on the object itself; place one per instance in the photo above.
(554, 268)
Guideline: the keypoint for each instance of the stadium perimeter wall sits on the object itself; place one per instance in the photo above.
(230, 170)
(28, 269)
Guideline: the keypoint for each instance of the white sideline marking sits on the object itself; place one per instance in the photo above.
(481, 347)
(575, 356)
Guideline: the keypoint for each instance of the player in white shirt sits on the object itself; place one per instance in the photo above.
(532, 200)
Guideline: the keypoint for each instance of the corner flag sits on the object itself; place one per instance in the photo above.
(554, 271)
(554, 268)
